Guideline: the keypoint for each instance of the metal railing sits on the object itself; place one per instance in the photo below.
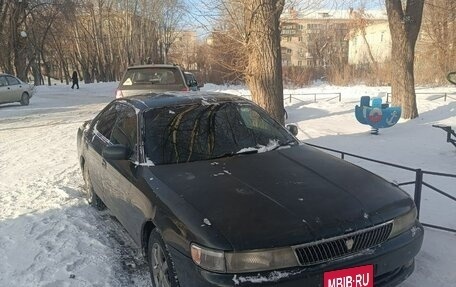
(418, 182)
(294, 96)
(445, 96)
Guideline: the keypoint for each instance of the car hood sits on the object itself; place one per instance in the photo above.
(283, 197)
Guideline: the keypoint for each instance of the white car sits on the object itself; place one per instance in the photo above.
(13, 90)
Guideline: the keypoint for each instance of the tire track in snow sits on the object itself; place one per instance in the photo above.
(54, 237)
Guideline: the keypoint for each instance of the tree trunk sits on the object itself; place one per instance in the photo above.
(264, 69)
(19, 41)
(404, 27)
(369, 51)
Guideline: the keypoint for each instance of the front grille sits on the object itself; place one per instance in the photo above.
(341, 246)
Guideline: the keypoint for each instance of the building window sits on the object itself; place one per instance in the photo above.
(299, 63)
(288, 51)
(300, 39)
(285, 32)
(288, 39)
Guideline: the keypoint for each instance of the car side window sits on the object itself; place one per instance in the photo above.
(12, 81)
(252, 119)
(125, 129)
(3, 82)
(106, 121)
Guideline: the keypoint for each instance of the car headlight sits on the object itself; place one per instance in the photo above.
(209, 259)
(246, 261)
(260, 260)
(403, 223)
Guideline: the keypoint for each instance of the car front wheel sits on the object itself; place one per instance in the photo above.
(25, 99)
(90, 195)
(160, 263)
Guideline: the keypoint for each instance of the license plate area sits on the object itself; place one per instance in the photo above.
(362, 276)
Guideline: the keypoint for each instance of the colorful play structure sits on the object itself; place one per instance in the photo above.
(376, 114)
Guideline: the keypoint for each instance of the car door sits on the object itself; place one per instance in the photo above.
(5, 91)
(119, 176)
(98, 137)
(15, 88)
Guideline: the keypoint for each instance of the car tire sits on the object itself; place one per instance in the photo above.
(91, 197)
(25, 99)
(161, 265)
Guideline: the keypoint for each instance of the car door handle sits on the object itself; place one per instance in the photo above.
(103, 162)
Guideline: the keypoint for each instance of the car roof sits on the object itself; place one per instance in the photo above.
(154, 66)
(168, 99)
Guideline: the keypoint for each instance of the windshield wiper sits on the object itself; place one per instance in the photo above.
(287, 143)
(230, 154)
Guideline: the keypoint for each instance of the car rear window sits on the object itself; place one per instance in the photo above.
(139, 77)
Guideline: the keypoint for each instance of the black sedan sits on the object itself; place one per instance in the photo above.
(219, 194)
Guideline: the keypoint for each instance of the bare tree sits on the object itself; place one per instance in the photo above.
(17, 34)
(436, 55)
(264, 69)
(359, 21)
(171, 15)
(248, 33)
(405, 23)
(5, 14)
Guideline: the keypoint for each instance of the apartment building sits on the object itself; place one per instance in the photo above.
(317, 38)
(184, 49)
(375, 43)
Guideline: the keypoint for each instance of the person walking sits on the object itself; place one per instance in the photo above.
(75, 80)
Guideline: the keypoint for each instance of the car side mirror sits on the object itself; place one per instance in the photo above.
(292, 128)
(116, 152)
(192, 83)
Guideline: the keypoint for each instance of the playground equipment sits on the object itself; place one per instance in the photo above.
(376, 114)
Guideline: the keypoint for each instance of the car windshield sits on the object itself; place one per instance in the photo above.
(206, 131)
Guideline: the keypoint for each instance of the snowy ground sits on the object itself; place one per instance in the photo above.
(50, 237)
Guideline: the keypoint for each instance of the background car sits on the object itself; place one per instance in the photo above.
(153, 78)
(13, 90)
(217, 193)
